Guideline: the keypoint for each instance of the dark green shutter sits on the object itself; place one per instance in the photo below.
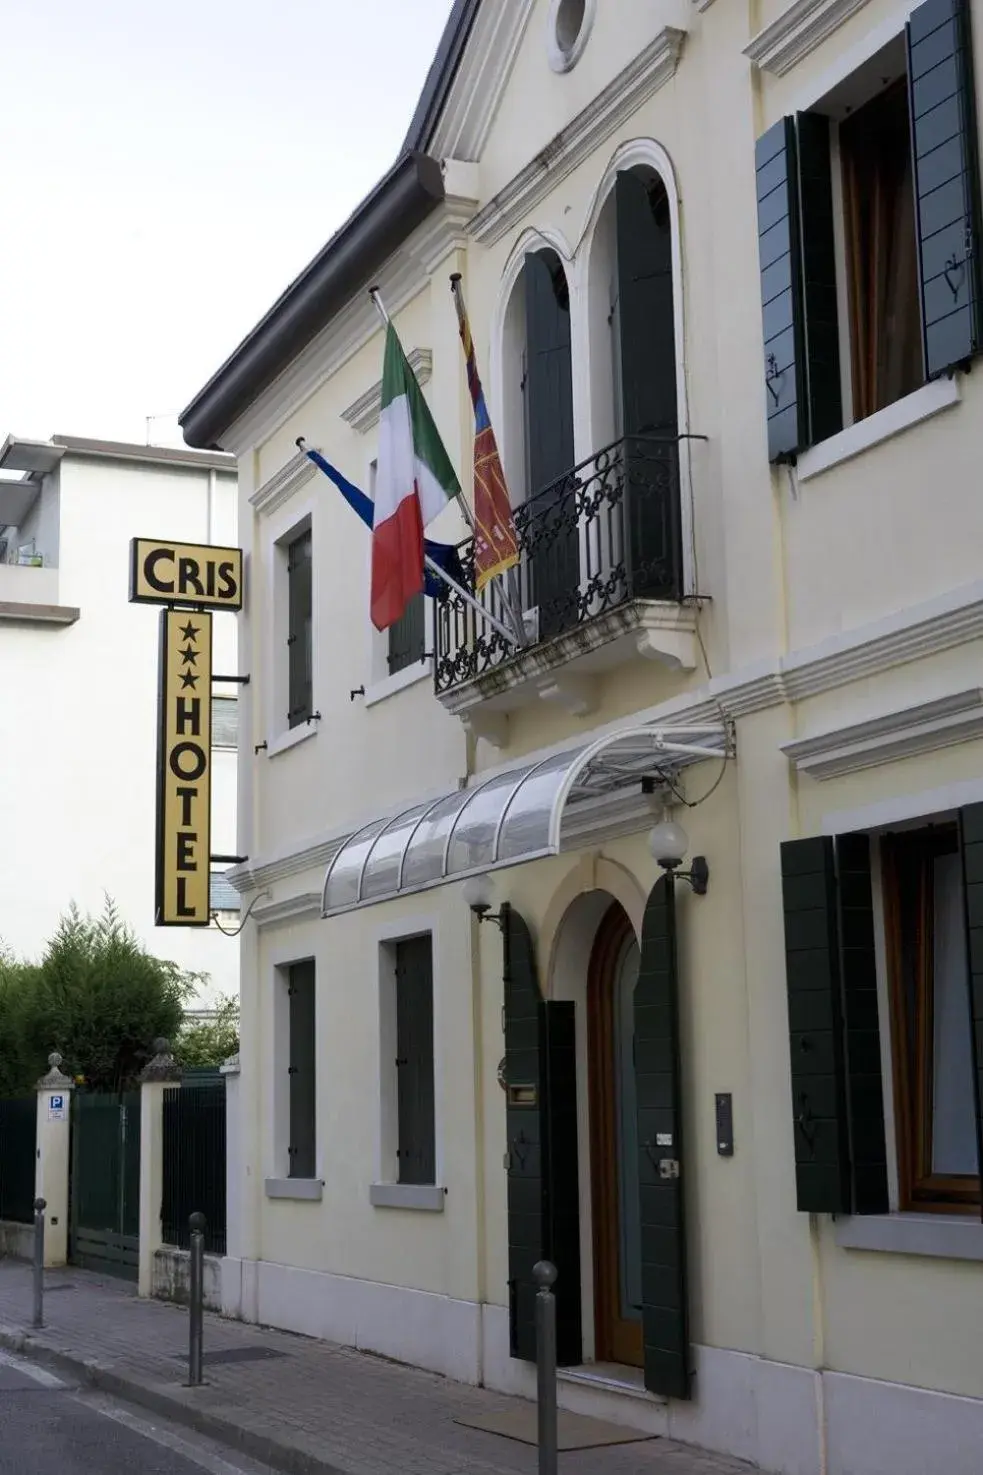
(647, 351)
(942, 103)
(815, 1019)
(798, 285)
(299, 633)
(834, 1034)
(648, 337)
(414, 1061)
(864, 1081)
(407, 638)
(665, 1302)
(552, 526)
(302, 1066)
(971, 844)
(821, 334)
(776, 168)
(541, 1130)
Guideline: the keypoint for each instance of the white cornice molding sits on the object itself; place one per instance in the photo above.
(312, 856)
(901, 734)
(364, 412)
(468, 114)
(633, 86)
(291, 909)
(797, 32)
(952, 619)
(403, 277)
(282, 484)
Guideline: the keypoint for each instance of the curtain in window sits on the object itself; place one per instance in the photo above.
(882, 265)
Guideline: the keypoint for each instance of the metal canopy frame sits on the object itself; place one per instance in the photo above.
(510, 817)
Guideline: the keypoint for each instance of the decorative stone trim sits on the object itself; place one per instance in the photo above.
(920, 729)
(364, 413)
(662, 632)
(560, 60)
(797, 32)
(939, 624)
(282, 485)
(426, 1196)
(462, 129)
(633, 86)
(54, 1079)
(291, 909)
(309, 1190)
(163, 1067)
(230, 1067)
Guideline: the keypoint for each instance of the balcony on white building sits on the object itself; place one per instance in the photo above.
(600, 584)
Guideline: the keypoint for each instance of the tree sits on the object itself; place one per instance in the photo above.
(97, 997)
(204, 1042)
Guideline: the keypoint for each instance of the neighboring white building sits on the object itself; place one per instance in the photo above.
(78, 669)
(725, 356)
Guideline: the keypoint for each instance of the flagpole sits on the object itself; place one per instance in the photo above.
(469, 599)
(429, 563)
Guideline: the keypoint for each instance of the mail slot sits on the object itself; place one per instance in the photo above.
(522, 1095)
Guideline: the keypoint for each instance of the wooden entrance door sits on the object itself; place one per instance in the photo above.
(614, 1142)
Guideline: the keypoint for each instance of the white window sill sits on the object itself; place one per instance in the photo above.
(291, 738)
(930, 400)
(943, 1236)
(310, 1189)
(390, 685)
(426, 1196)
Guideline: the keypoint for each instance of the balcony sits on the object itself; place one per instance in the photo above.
(600, 583)
(29, 596)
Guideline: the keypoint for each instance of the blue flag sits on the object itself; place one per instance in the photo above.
(444, 555)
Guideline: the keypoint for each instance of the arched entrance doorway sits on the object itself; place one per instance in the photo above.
(613, 1115)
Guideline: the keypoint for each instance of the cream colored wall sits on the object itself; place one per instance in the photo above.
(344, 1233)
(862, 540)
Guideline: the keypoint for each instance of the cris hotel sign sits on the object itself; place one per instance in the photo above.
(197, 578)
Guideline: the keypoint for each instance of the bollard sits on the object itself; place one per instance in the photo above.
(197, 1223)
(40, 1205)
(544, 1274)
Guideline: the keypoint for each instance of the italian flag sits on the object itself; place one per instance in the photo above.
(414, 482)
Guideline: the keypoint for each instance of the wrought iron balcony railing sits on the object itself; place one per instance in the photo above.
(607, 532)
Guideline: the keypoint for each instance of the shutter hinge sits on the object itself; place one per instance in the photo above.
(291, 1070)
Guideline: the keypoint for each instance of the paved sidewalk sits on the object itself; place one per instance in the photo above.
(301, 1405)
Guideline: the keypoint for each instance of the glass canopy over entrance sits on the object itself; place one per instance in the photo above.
(521, 814)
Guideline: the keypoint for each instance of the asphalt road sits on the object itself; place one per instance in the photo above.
(50, 1427)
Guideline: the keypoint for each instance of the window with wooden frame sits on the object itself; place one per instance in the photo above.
(899, 298)
(931, 1020)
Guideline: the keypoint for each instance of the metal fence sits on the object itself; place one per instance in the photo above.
(18, 1128)
(194, 1164)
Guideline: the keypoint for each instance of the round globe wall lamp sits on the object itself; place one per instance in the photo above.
(668, 843)
(479, 894)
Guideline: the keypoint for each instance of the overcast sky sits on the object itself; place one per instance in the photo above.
(167, 169)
